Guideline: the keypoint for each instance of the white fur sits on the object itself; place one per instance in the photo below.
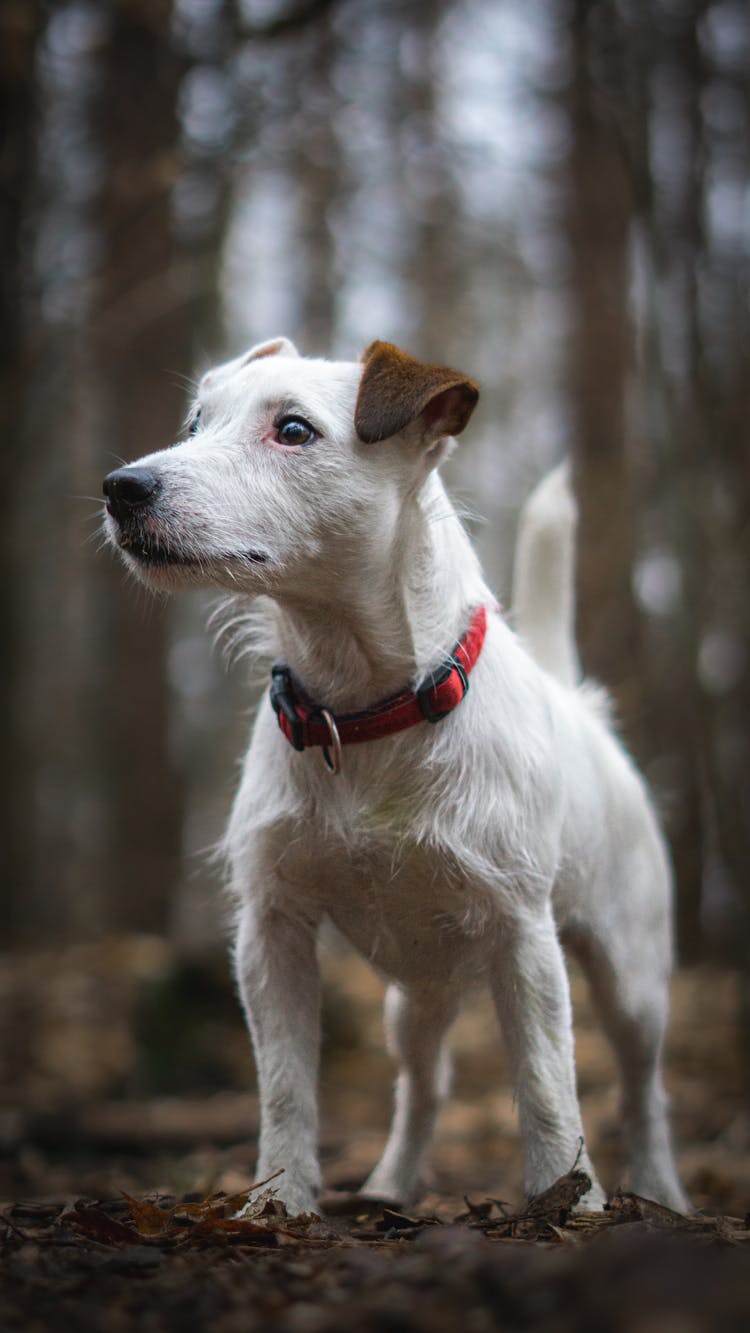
(544, 576)
(449, 854)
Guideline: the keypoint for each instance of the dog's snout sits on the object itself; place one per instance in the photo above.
(129, 488)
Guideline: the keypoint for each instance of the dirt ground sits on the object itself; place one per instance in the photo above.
(126, 1073)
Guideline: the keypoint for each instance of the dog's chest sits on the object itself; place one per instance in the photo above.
(405, 907)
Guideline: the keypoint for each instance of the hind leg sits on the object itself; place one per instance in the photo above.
(530, 989)
(416, 1024)
(630, 993)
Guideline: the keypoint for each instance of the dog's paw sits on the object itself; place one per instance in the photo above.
(593, 1201)
(295, 1198)
(386, 1185)
(664, 1191)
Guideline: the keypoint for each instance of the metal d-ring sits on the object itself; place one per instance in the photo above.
(332, 764)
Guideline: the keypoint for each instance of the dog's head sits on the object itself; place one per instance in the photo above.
(289, 463)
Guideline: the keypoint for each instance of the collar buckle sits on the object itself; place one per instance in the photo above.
(282, 702)
(435, 681)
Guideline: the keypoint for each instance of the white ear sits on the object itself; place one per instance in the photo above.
(273, 347)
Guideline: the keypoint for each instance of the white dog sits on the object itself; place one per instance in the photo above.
(452, 839)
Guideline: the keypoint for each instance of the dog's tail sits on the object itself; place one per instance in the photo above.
(544, 576)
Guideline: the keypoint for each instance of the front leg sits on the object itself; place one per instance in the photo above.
(532, 996)
(277, 972)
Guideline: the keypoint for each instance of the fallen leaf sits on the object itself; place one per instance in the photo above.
(560, 1198)
(149, 1218)
(99, 1227)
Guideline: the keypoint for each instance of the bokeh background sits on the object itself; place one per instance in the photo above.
(554, 196)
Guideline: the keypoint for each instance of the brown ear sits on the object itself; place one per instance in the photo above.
(396, 390)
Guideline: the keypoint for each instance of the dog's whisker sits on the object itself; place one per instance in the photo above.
(188, 382)
(95, 529)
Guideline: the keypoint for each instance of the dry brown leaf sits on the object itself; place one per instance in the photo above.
(560, 1197)
(99, 1227)
(230, 1228)
(149, 1218)
(632, 1207)
(395, 1221)
(563, 1234)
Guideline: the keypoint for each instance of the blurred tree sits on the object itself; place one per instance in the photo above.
(678, 433)
(660, 113)
(315, 167)
(20, 28)
(119, 268)
(421, 174)
(598, 224)
(139, 332)
(436, 265)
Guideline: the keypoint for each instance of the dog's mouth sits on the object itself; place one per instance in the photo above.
(152, 553)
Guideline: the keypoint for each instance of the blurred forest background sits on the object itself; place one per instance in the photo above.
(554, 196)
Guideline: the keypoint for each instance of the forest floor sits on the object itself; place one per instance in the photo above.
(127, 1125)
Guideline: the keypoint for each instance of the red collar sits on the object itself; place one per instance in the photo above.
(306, 724)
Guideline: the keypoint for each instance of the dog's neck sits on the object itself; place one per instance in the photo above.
(394, 613)
(348, 651)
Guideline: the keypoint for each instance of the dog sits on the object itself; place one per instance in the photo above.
(438, 785)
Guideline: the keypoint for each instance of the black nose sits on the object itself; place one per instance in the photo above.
(129, 488)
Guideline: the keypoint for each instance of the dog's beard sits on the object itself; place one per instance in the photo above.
(163, 562)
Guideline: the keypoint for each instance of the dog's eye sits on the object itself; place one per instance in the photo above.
(294, 430)
(194, 422)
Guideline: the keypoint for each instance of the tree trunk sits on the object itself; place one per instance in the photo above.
(20, 27)
(140, 338)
